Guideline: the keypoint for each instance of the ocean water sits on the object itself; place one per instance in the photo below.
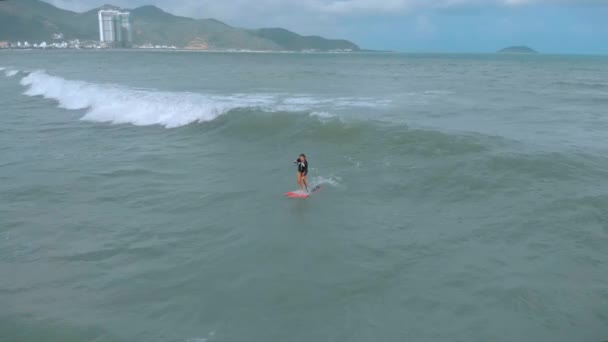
(464, 197)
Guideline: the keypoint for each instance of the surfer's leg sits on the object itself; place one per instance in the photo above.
(304, 180)
(299, 180)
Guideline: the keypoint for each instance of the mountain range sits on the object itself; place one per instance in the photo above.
(35, 20)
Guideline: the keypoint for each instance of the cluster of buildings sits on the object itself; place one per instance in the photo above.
(70, 44)
(114, 32)
(155, 47)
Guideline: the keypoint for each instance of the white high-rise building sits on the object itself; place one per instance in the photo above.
(114, 28)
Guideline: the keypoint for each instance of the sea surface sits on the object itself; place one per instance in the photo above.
(464, 197)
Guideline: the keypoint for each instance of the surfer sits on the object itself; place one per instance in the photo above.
(302, 171)
(302, 181)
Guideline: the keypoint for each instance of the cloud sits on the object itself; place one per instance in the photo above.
(425, 26)
(310, 16)
(335, 7)
(341, 7)
(363, 6)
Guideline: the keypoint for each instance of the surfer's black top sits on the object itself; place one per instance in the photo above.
(302, 166)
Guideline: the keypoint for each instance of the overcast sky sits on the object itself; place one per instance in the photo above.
(554, 26)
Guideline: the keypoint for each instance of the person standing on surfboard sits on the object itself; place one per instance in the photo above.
(302, 172)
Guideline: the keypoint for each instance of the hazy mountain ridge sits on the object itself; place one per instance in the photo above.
(35, 20)
(517, 49)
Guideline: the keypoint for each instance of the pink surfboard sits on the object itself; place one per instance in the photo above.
(302, 194)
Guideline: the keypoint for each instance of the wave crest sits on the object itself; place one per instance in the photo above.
(119, 104)
(109, 103)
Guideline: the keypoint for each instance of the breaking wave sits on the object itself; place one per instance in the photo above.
(122, 105)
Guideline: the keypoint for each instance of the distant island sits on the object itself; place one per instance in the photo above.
(38, 21)
(517, 49)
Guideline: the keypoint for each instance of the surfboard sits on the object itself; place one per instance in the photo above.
(302, 194)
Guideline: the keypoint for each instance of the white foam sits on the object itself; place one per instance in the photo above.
(322, 114)
(320, 180)
(2, 68)
(305, 101)
(202, 339)
(11, 73)
(109, 103)
(119, 104)
(309, 102)
(365, 102)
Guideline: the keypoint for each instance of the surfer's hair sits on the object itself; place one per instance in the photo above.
(302, 155)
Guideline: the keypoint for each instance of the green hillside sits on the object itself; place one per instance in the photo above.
(293, 41)
(35, 20)
(152, 25)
